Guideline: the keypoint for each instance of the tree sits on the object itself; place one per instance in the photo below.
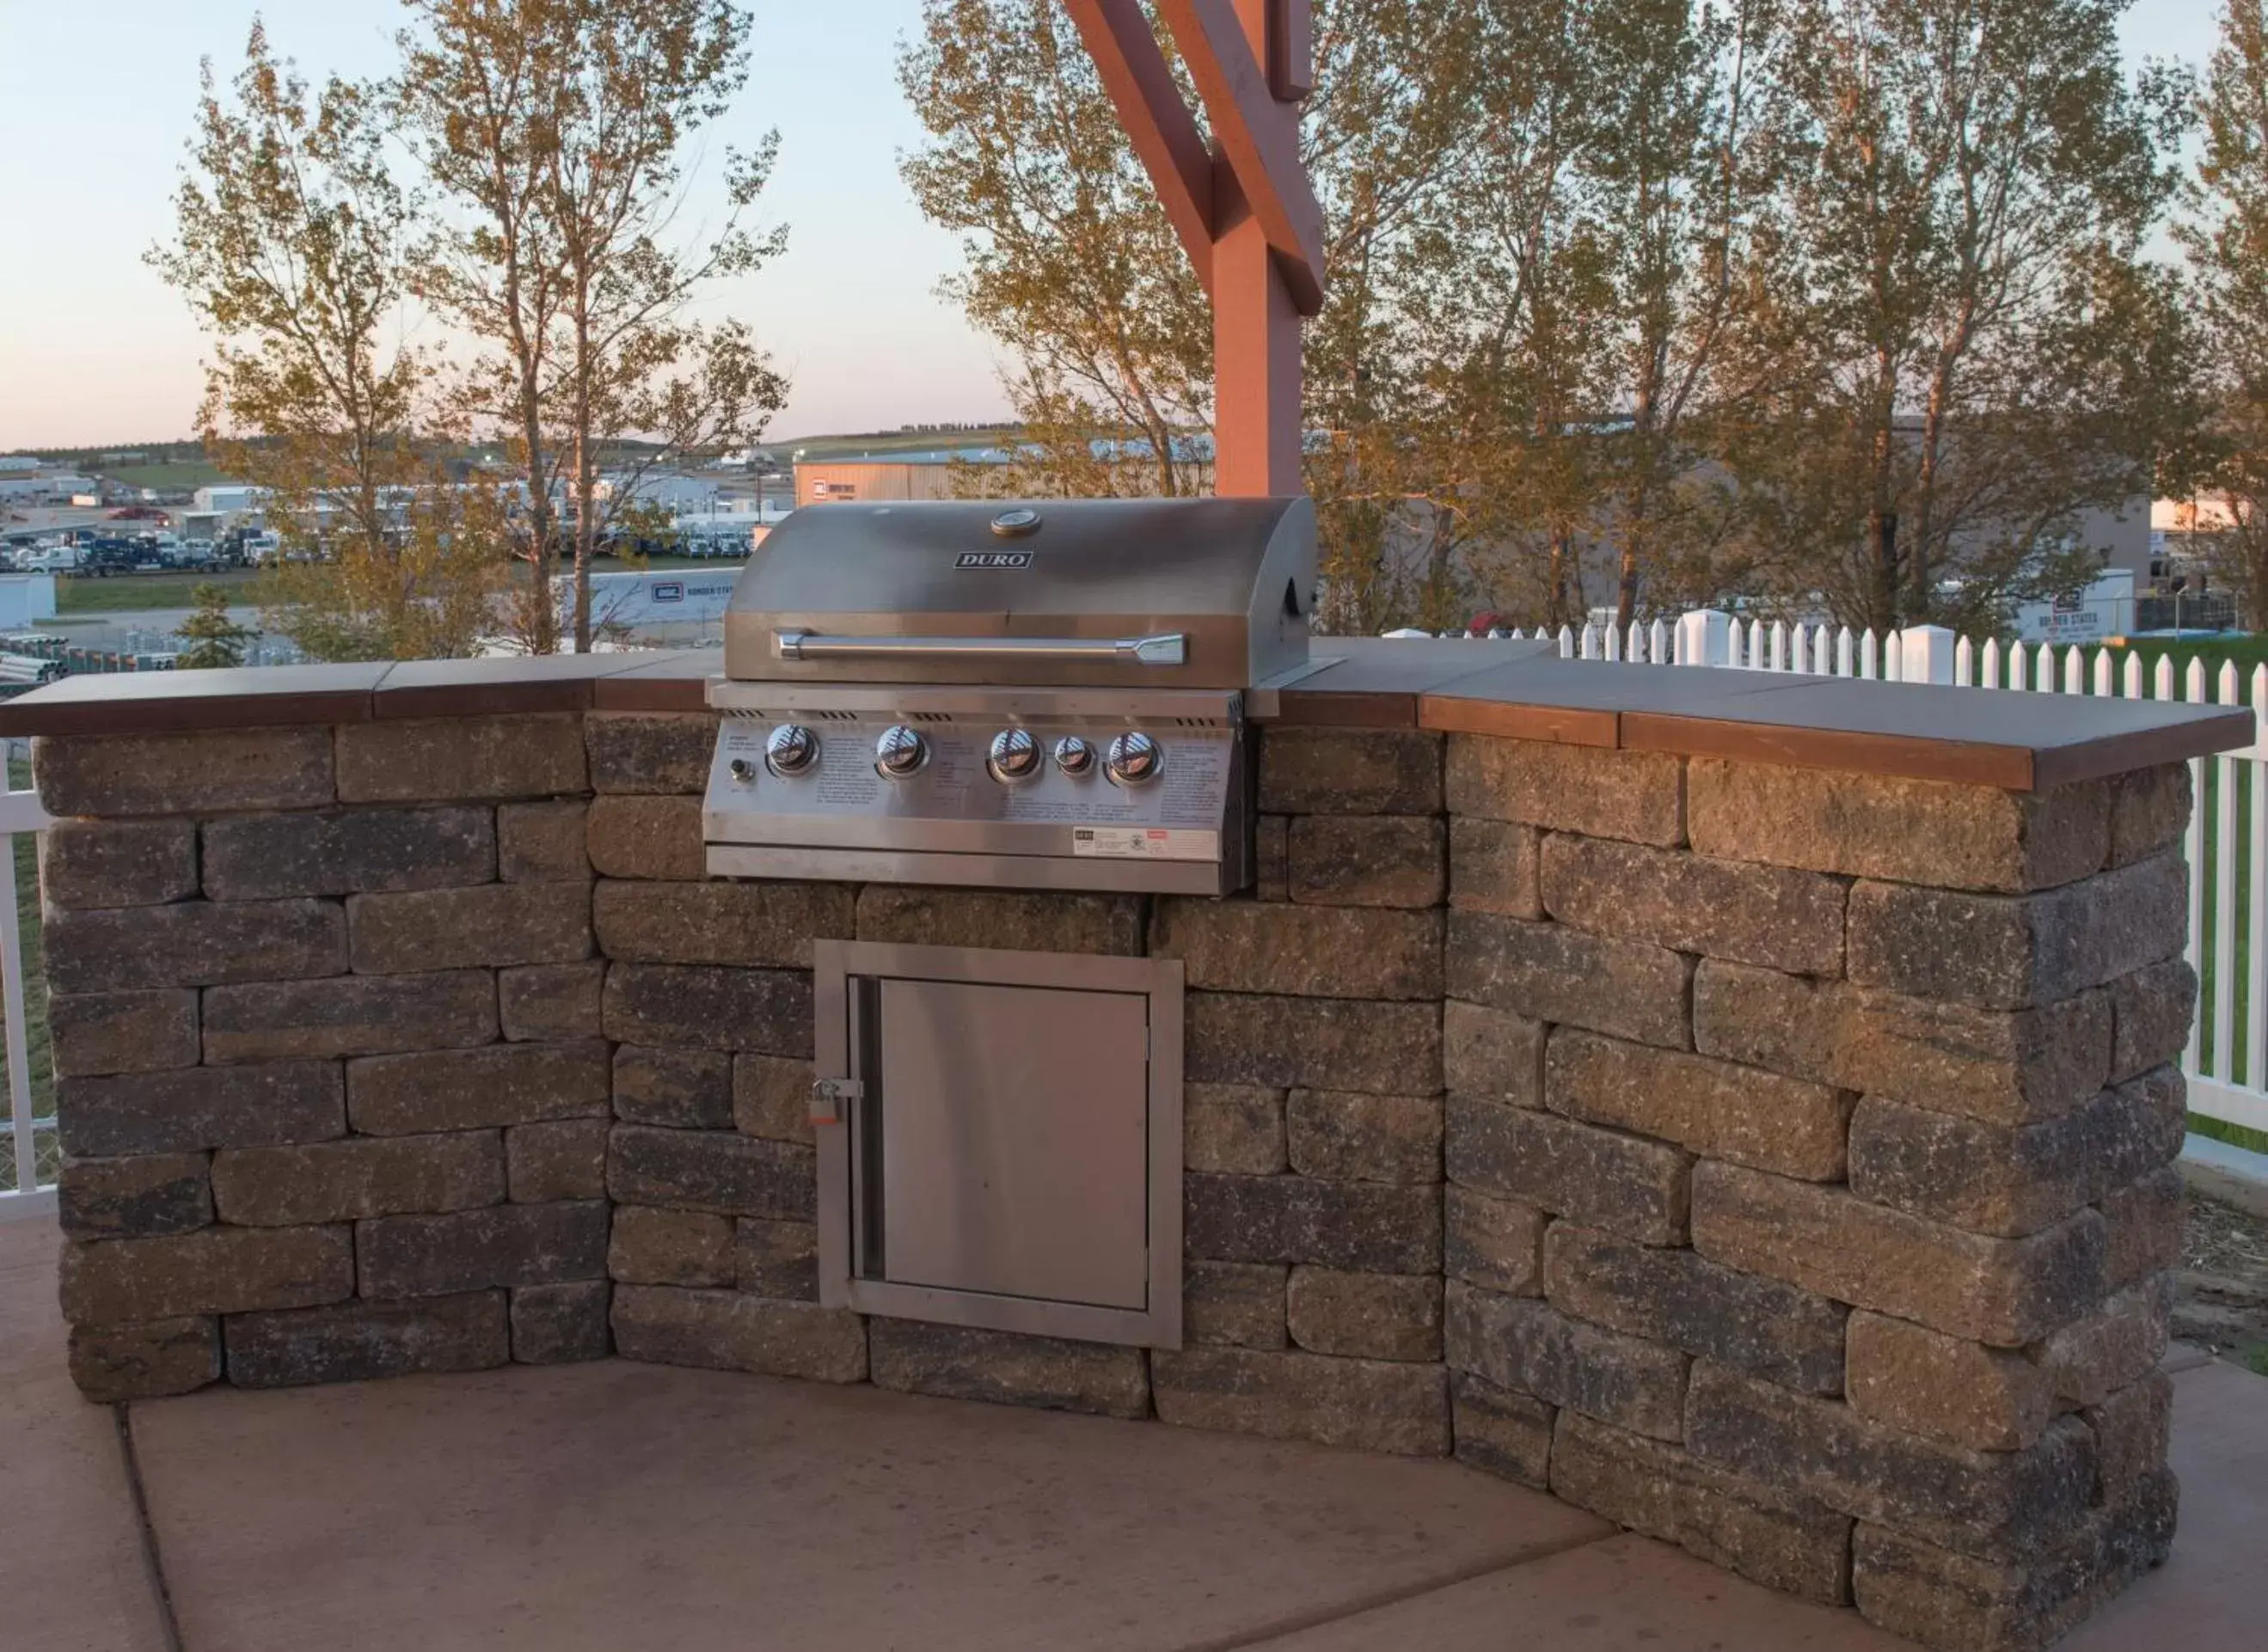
(557, 132)
(2225, 235)
(1977, 182)
(215, 640)
(289, 244)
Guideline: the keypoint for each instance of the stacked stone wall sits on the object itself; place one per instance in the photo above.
(1774, 1161)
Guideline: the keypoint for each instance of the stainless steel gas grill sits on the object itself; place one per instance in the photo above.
(1043, 696)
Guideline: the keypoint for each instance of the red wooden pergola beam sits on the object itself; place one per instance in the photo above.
(1163, 131)
(1258, 135)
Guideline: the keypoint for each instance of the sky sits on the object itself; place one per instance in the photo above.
(96, 99)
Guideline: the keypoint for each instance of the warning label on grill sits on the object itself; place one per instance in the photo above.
(1125, 843)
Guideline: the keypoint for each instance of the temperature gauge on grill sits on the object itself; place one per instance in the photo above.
(1014, 756)
(791, 749)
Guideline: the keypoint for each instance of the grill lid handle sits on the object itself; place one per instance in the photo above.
(1169, 647)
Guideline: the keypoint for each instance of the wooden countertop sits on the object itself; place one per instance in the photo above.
(1521, 689)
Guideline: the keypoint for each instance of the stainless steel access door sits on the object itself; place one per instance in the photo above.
(1006, 1148)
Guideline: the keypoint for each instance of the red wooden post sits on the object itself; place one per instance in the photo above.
(1252, 227)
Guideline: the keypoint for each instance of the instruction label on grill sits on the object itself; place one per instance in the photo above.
(1135, 843)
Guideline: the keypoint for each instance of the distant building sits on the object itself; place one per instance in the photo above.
(18, 464)
(230, 498)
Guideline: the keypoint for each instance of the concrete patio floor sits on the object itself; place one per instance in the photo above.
(624, 1507)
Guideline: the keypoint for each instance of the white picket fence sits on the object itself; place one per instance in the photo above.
(2227, 1057)
(31, 1155)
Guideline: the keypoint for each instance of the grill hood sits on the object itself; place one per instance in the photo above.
(1149, 593)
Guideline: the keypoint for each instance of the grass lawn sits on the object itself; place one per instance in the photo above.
(165, 478)
(129, 592)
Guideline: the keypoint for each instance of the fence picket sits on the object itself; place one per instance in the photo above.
(2256, 988)
(2224, 939)
(1988, 674)
(2133, 690)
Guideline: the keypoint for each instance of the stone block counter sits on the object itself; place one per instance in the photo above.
(1720, 1100)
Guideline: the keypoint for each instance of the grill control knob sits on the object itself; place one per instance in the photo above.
(1134, 759)
(901, 751)
(1074, 756)
(743, 772)
(1014, 756)
(791, 749)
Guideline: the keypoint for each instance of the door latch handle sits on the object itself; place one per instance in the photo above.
(827, 1096)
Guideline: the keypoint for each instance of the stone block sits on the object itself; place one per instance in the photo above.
(1519, 1343)
(680, 1090)
(487, 1087)
(771, 1098)
(111, 1364)
(2015, 951)
(1350, 771)
(214, 1270)
(1922, 1382)
(1493, 867)
(2142, 1229)
(2149, 811)
(1304, 951)
(1767, 915)
(1026, 921)
(1493, 1242)
(721, 1172)
(93, 1034)
(357, 1177)
(1636, 1188)
(138, 1197)
(1369, 1405)
(1713, 1108)
(555, 1003)
(962, 1362)
(347, 852)
(2133, 1430)
(195, 1108)
(349, 1014)
(471, 1250)
(650, 751)
(178, 774)
(1364, 1227)
(1235, 1304)
(1235, 1127)
(2114, 1347)
(688, 1248)
(87, 863)
(1997, 1505)
(1630, 990)
(561, 1324)
(1757, 1326)
(462, 928)
(1379, 860)
(460, 759)
(719, 922)
(647, 837)
(1365, 1316)
(1957, 1602)
(1992, 1179)
(1348, 1136)
(1501, 1431)
(1272, 857)
(2004, 1067)
(542, 842)
(1794, 1544)
(1637, 796)
(560, 1158)
(2001, 1292)
(193, 943)
(356, 1342)
(764, 1010)
(726, 1330)
(1390, 1049)
(2151, 1013)
(776, 1258)
(1492, 1052)
(1905, 831)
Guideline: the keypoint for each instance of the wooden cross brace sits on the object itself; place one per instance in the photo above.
(1244, 208)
